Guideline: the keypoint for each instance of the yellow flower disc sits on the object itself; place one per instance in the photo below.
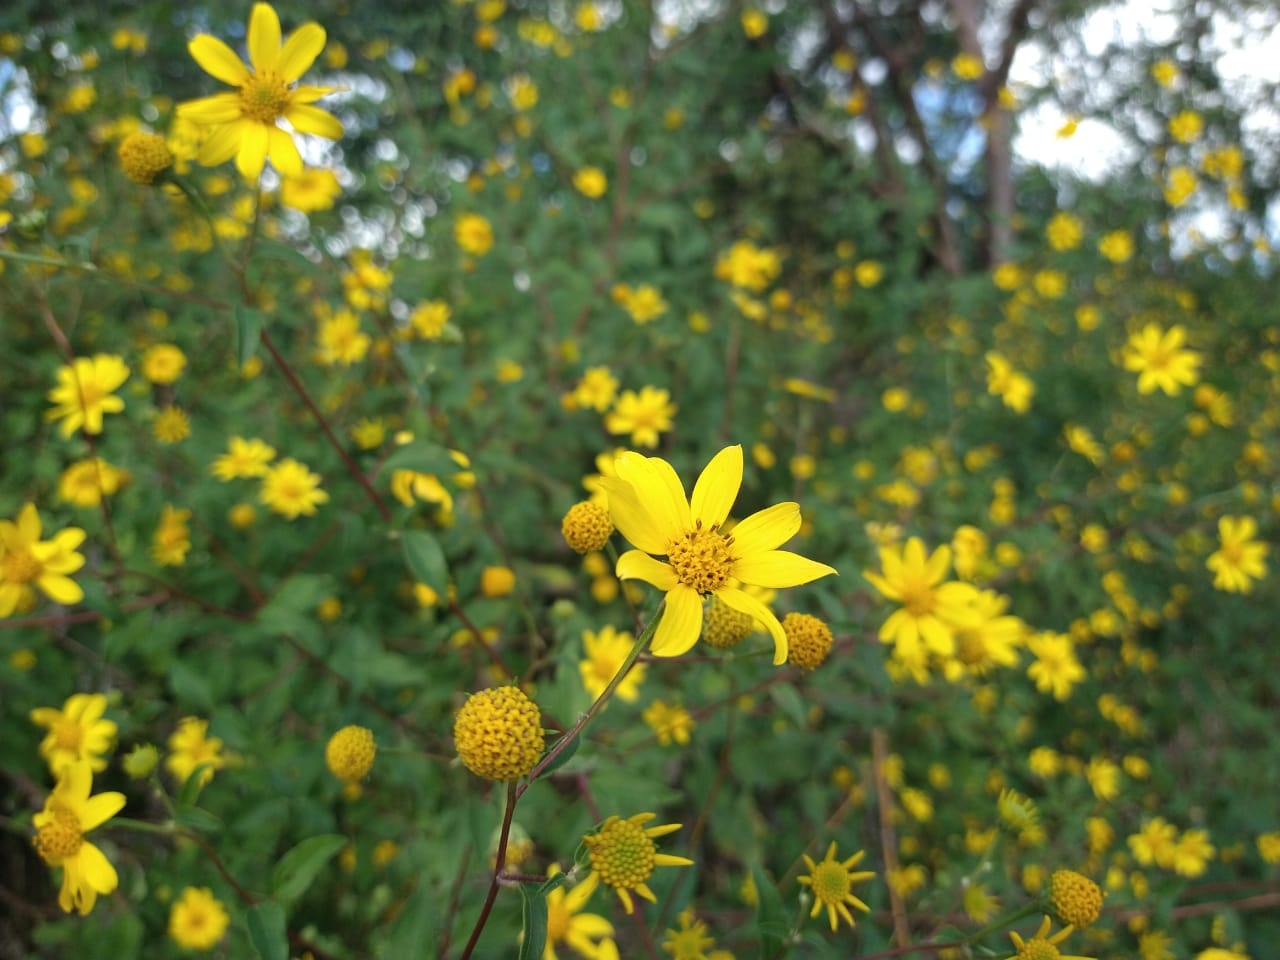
(622, 853)
(724, 627)
(60, 838)
(498, 733)
(808, 640)
(586, 527)
(144, 156)
(1076, 899)
(350, 752)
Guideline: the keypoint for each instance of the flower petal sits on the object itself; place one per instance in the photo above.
(264, 38)
(220, 108)
(96, 870)
(743, 602)
(222, 145)
(717, 487)
(766, 529)
(680, 624)
(308, 119)
(658, 488)
(60, 589)
(632, 518)
(98, 810)
(635, 565)
(218, 60)
(779, 568)
(252, 155)
(300, 51)
(284, 152)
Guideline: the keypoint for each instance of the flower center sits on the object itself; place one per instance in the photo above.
(264, 97)
(67, 735)
(1233, 553)
(701, 559)
(19, 566)
(622, 853)
(830, 882)
(969, 647)
(1038, 949)
(60, 838)
(918, 599)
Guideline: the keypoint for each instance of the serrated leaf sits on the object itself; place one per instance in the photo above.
(299, 867)
(534, 915)
(771, 919)
(267, 930)
(425, 559)
(248, 332)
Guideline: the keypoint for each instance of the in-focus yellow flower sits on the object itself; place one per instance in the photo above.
(1240, 559)
(245, 125)
(68, 815)
(190, 749)
(198, 920)
(85, 392)
(498, 733)
(1161, 360)
(831, 882)
(77, 733)
(292, 490)
(1042, 946)
(649, 508)
(623, 855)
(606, 651)
(27, 562)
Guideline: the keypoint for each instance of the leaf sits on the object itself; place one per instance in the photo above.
(198, 819)
(426, 560)
(412, 932)
(771, 920)
(421, 456)
(299, 867)
(248, 332)
(534, 915)
(191, 787)
(562, 758)
(267, 930)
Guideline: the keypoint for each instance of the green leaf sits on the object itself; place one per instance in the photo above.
(191, 787)
(425, 558)
(300, 866)
(534, 915)
(198, 819)
(267, 930)
(564, 757)
(421, 456)
(412, 931)
(771, 919)
(248, 332)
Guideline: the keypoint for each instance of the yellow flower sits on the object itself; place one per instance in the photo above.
(1186, 126)
(310, 191)
(1180, 186)
(1160, 359)
(430, 318)
(197, 920)
(1064, 231)
(189, 749)
(1076, 899)
(1154, 843)
(690, 941)
(931, 610)
(623, 855)
(1041, 946)
(831, 882)
(144, 156)
(649, 507)
(1192, 853)
(77, 733)
(473, 234)
(1014, 388)
(1116, 246)
(808, 639)
(643, 415)
(244, 125)
(1164, 72)
(341, 341)
(747, 266)
(643, 303)
(670, 723)
(590, 182)
(171, 426)
(27, 562)
(966, 66)
(498, 733)
(350, 752)
(755, 23)
(163, 363)
(85, 393)
(1240, 559)
(244, 458)
(68, 815)
(1056, 669)
(291, 489)
(587, 934)
(86, 482)
(497, 581)
(606, 651)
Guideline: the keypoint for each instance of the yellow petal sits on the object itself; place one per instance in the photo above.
(284, 152)
(667, 860)
(218, 60)
(96, 871)
(778, 569)
(766, 529)
(254, 140)
(264, 39)
(29, 523)
(222, 144)
(680, 624)
(98, 810)
(300, 51)
(308, 119)
(717, 487)
(657, 487)
(220, 108)
(632, 518)
(635, 565)
(60, 589)
(743, 602)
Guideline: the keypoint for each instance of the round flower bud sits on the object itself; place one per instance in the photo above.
(497, 581)
(586, 527)
(350, 752)
(141, 760)
(724, 627)
(144, 156)
(498, 733)
(1076, 899)
(808, 640)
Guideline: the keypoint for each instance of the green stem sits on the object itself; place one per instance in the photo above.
(141, 826)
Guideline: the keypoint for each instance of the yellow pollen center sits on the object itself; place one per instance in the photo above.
(263, 98)
(830, 882)
(1233, 553)
(702, 559)
(918, 599)
(60, 838)
(90, 394)
(1038, 949)
(19, 566)
(67, 735)
(623, 855)
(969, 648)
